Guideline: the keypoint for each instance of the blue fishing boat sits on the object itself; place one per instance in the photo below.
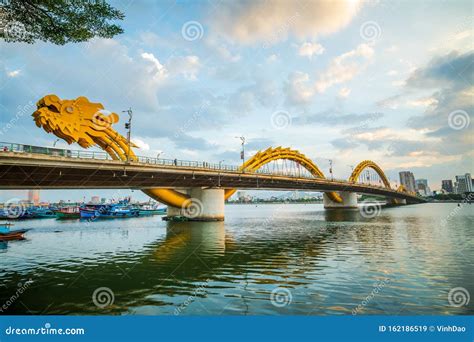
(104, 211)
(20, 212)
(40, 212)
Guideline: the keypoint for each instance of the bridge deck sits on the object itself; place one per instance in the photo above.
(20, 170)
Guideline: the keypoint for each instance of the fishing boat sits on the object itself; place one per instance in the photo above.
(92, 211)
(7, 234)
(150, 209)
(26, 213)
(68, 212)
(104, 211)
(40, 212)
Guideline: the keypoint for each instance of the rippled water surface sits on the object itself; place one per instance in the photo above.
(316, 262)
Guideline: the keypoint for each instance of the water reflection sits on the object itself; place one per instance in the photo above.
(329, 260)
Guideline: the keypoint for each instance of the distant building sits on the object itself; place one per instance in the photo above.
(447, 185)
(463, 183)
(407, 179)
(95, 199)
(34, 196)
(422, 187)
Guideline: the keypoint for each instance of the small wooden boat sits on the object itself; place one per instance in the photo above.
(7, 234)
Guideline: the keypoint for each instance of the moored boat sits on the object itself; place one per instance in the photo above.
(105, 211)
(41, 212)
(149, 210)
(69, 212)
(7, 234)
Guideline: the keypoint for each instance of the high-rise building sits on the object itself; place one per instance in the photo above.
(447, 185)
(463, 183)
(34, 196)
(422, 187)
(407, 179)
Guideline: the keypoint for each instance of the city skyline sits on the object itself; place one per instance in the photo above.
(358, 86)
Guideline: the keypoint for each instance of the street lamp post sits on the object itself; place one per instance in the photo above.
(330, 169)
(242, 153)
(128, 127)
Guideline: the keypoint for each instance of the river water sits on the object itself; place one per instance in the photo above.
(273, 259)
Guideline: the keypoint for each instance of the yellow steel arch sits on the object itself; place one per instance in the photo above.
(369, 164)
(271, 154)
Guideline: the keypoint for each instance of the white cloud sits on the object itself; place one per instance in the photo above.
(392, 48)
(423, 102)
(187, 66)
(344, 92)
(399, 83)
(13, 73)
(309, 49)
(345, 67)
(273, 21)
(463, 34)
(392, 73)
(272, 58)
(143, 146)
(298, 89)
(158, 69)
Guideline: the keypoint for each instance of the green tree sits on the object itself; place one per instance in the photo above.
(57, 21)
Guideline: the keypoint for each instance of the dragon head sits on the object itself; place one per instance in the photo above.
(76, 120)
(83, 122)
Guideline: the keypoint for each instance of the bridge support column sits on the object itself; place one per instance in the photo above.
(206, 205)
(349, 201)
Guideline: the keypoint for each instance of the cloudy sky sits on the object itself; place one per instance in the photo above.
(342, 80)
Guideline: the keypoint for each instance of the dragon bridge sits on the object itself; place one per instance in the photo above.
(88, 124)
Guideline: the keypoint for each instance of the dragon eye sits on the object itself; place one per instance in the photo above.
(69, 109)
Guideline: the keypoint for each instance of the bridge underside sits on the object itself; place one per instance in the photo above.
(28, 171)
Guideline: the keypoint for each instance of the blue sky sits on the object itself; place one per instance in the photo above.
(342, 80)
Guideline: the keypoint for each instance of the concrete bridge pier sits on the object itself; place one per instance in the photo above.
(349, 201)
(207, 204)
